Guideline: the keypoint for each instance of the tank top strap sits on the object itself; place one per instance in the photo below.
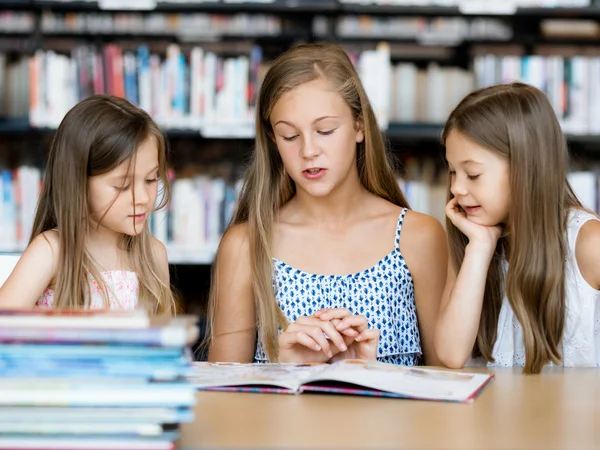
(399, 228)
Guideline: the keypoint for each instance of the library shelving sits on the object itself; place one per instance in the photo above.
(425, 57)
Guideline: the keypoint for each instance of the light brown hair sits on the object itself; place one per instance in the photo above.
(518, 122)
(267, 186)
(95, 136)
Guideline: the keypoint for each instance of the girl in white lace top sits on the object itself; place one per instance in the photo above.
(91, 246)
(524, 274)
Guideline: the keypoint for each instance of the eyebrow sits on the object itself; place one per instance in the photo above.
(125, 176)
(314, 121)
(466, 162)
(470, 161)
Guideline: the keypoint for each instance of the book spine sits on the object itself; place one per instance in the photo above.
(167, 337)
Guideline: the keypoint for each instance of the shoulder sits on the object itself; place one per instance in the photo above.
(236, 238)
(45, 245)
(423, 244)
(35, 271)
(234, 246)
(159, 250)
(587, 254)
(423, 229)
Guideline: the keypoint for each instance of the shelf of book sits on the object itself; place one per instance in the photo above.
(488, 8)
(482, 10)
(412, 91)
(396, 131)
(327, 7)
(279, 6)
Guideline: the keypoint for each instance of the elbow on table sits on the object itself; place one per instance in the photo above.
(452, 358)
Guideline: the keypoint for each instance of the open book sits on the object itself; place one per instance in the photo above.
(354, 377)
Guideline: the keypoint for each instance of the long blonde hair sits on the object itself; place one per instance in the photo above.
(267, 186)
(97, 135)
(517, 121)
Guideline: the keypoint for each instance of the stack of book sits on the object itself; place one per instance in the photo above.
(94, 380)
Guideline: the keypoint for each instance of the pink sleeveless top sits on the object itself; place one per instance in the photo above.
(122, 283)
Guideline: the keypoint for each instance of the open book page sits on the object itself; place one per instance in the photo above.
(228, 375)
(353, 377)
(409, 382)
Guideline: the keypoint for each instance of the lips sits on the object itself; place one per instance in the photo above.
(138, 217)
(314, 173)
(470, 209)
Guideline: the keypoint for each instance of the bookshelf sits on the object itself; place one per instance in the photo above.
(460, 44)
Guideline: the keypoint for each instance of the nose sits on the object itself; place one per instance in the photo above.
(457, 188)
(309, 149)
(142, 196)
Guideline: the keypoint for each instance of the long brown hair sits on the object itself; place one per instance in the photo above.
(267, 186)
(517, 121)
(95, 136)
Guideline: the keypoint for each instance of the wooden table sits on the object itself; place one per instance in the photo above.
(558, 409)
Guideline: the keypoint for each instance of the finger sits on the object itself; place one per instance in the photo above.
(317, 338)
(326, 327)
(307, 320)
(368, 335)
(334, 336)
(321, 311)
(356, 322)
(453, 210)
(345, 331)
(335, 313)
(452, 204)
(289, 339)
(317, 335)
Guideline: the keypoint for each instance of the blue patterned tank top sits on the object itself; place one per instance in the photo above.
(384, 294)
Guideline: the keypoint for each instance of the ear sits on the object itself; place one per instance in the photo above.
(360, 131)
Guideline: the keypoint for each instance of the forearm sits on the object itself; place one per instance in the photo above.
(237, 347)
(458, 320)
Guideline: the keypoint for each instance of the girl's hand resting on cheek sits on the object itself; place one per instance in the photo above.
(477, 234)
(361, 342)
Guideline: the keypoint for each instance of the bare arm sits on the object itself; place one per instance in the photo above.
(426, 255)
(587, 253)
(234, 327)
(462, 301)
(34, 272)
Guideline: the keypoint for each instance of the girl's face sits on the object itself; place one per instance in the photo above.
(479, 179)
(122, 199)
(316, 136)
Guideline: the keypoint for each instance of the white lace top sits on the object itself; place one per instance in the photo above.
(581, 336)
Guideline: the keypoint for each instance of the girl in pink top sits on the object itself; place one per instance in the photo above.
(91, 246)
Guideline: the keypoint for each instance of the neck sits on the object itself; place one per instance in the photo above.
(342, 204)
(99, 236)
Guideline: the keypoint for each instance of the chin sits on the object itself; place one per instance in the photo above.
(483, 221)
(317, 191)
(134, 232)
